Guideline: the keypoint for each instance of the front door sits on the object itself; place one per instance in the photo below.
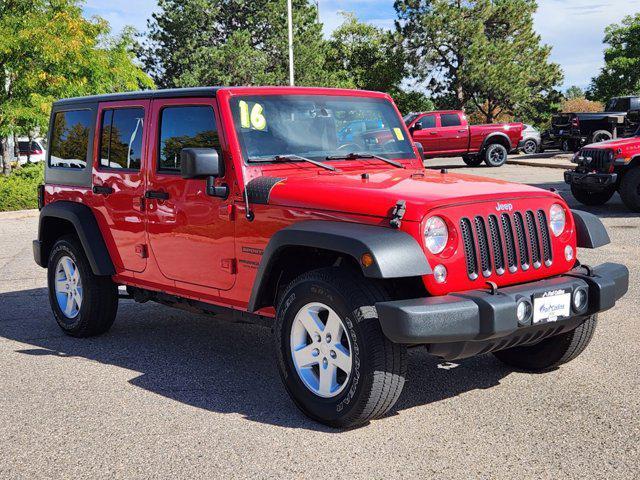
(118, 184)
(428, 135)
(191, 234)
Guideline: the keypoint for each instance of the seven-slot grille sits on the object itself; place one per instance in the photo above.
(599, 158)
(504, 241)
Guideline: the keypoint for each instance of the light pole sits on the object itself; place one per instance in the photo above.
(290, 19)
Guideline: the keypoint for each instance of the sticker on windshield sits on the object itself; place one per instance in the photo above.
(398, 133)
(253, 118)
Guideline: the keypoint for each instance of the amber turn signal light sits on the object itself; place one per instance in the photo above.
(366, 260)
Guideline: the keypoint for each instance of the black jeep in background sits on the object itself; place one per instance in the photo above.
(571, 131)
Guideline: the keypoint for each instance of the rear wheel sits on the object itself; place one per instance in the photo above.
(591, 198)
(83, 304)
(530, 147)
(334, 360)
(496, 155)
(552, 352)
(472, 160)
(630, 189)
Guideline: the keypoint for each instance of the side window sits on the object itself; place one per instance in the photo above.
(428, 121)
(450, 120)
(185, 127)
(121, 138)
(70, 138)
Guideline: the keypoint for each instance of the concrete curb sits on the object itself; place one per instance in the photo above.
(533, 163)
(19, 214)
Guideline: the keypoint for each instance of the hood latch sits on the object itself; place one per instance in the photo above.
(397, 214)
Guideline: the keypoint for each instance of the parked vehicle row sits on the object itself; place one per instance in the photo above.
(447, 133)
(265, 205)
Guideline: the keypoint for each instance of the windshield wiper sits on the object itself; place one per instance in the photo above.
(356, 156)
(293, 158)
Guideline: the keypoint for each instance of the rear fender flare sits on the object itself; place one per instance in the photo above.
(87, 229)
(494, 136)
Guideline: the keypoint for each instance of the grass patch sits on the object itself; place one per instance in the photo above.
(19, 190)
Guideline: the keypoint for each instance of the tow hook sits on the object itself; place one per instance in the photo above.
(397, 213)
(493, 288)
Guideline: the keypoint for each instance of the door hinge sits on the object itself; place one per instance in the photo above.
(229, 265)
(141, 250)
(227, 211)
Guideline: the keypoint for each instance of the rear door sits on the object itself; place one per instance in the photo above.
(118, 183)
(453, 134)
(191, 234)
(428, 135)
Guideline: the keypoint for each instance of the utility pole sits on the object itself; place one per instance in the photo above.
(290, 18)
(317, 2)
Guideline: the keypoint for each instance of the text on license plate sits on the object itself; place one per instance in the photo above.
(551, 307)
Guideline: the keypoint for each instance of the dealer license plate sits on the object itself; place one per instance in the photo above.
(551, 306)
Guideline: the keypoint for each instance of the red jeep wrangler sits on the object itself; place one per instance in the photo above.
(243, 203)
(448, 134)
(604, 168)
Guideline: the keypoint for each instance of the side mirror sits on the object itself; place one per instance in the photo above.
(420, 148)
(204, 163)
(200, 163)
(416, 126)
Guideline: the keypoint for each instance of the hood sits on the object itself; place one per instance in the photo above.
(615, 143)
(377, 195)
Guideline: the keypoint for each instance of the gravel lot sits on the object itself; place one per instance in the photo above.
(166, 394)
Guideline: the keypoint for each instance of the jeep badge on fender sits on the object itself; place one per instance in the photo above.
(309, 210)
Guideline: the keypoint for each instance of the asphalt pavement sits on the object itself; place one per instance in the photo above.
(167, 394)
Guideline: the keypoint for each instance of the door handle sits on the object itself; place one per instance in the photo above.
(433, 133)
(156, 194)
(102, 190)
(462, 131)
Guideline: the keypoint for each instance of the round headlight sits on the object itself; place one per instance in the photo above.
(557, 219)
(436, 235)
(611, 155)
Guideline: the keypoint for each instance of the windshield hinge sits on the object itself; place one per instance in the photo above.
(397, 214)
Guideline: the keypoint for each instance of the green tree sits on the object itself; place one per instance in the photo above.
(233, 42)
(621, 72)
(48, 50)
(574, 92)
(482, 54)
(373, 59)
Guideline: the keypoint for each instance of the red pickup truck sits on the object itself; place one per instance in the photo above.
(447, 133)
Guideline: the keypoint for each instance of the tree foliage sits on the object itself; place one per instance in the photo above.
(48, 50)
(482, 54)
(621, 72)
(581, 104)
(574, 92)
(232, 42)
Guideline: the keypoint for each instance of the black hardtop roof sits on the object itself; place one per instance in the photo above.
(142, 94)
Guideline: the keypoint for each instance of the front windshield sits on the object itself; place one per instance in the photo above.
(317, 127)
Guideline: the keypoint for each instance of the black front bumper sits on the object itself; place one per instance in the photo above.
(591, 181)
(480, 316)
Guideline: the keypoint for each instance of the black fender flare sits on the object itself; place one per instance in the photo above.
(590, 231)
(396, 254)
(87, 229)
(493, 135)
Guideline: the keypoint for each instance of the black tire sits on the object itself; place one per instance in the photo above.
(530, 147)
(99, 303)
(551, 352)
(472, 160)
(378, 365)
(630, 189)
(496, 155)
(592, 198)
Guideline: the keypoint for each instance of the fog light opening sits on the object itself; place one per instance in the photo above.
(580, 299)
(568, 253)
(523, 312)
(440, 273)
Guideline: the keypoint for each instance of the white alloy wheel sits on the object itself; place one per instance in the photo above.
(321, 350)
(68, 287)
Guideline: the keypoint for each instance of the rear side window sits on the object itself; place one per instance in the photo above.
(70, 138)
(428, 122)
(450, 120)
(121, 138)
(185, 127)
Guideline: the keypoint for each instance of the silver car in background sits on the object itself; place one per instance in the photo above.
(531, 140)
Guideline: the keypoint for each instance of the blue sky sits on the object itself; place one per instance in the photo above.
(574, 28)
